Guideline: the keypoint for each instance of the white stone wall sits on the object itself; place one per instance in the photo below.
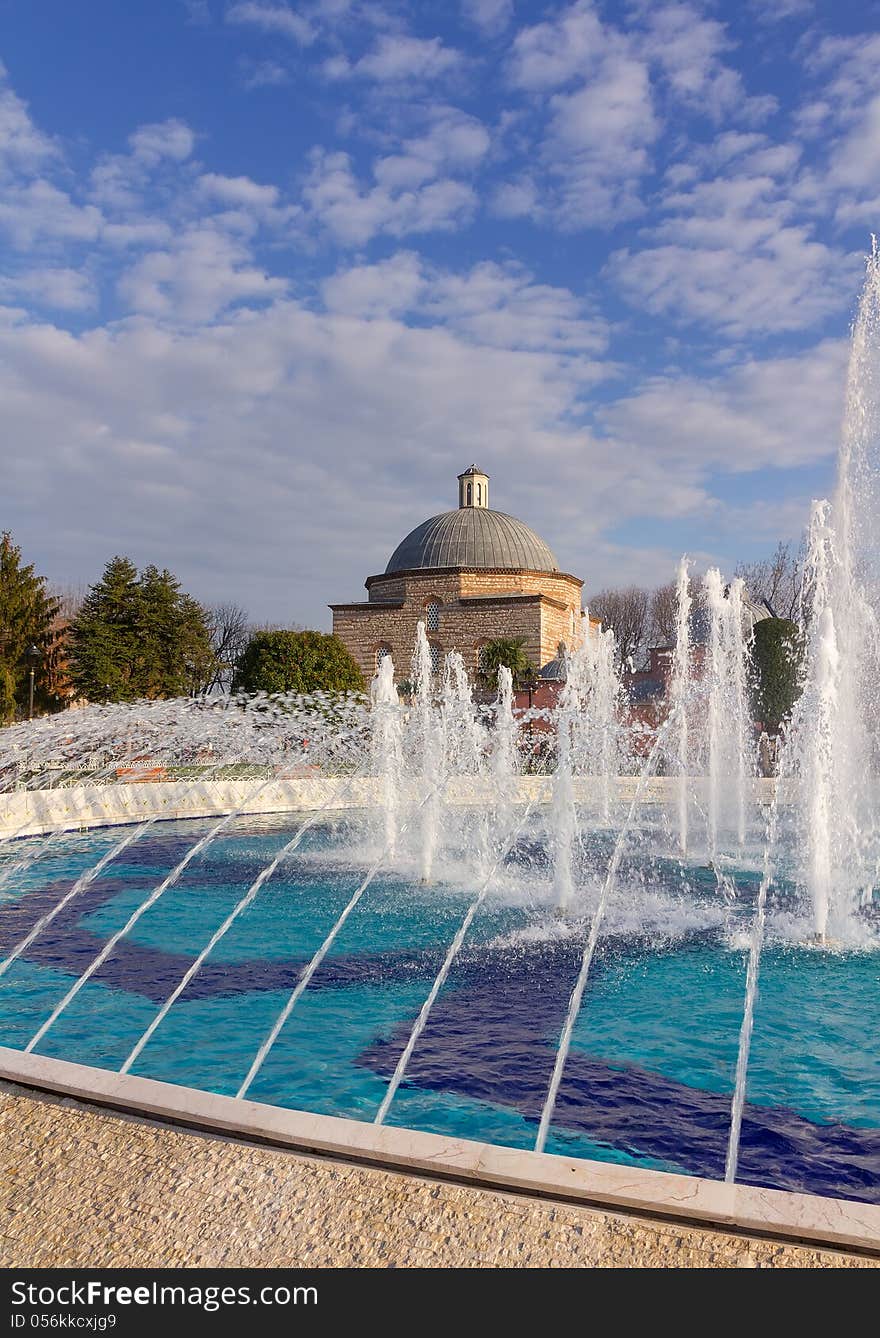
(30, 812)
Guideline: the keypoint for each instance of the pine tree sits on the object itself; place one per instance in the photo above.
(104, 634)
(139, 636)
(28, 615)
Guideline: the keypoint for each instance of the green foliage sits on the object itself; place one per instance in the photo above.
(777, 655)
(283, 661)
(506, 653)
(138, 636)
(27, 617)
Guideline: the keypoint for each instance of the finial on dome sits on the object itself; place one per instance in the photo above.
(473, 488)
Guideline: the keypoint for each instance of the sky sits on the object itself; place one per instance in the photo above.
(272, 274)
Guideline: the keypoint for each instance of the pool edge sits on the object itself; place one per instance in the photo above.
(803, 1218)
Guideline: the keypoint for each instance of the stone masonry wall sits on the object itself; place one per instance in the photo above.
(464, 627)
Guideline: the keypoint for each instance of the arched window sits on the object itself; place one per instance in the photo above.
(479, 494)
(381, 653)
(436, 657)
(481, 656)
(470, 494)
(432, 615)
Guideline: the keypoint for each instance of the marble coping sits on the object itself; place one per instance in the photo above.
(838, 1223)
(78, 807)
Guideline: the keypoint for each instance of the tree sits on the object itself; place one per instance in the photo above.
(28, 615)
(777, 656)
(664, 615)
(777, 579)
(285, 661)
(627, 613)
(506, 653)
(104, 636)
(174, 644)
(138, 636)
(230, 632)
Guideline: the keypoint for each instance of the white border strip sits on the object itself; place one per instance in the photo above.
(838, 1223)
(35, 812)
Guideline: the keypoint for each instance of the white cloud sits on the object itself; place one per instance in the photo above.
(492, 16)
(39, 211)
(778, 413)
(598, 143)
(272, 18)
(59, 288)
(842, 121)
(262, 73)
(602, 117)
(119, 180)
(391, 287)
(398, 56)
(731, 252)
(687, 47)
(202, 274)
(165, 139)
(238, 191)
(550, 54)
(497, 305)
(453, 141)
(354, 213)
(516, 199)
(22, 146)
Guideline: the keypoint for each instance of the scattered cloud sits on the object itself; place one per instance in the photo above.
(396, 57)
(59, 289)
(491, 16)
(548, 55)
(584, 238)
(22, 145)
(238, 191)
(353, 212)
(203, 273)
(262, 73)
(497, 305)
(276, 19)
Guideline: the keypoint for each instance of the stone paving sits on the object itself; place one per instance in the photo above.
(85, 1187)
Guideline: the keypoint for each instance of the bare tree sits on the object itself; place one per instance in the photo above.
(628, 613)
(778, 579)
(70, 601)
(664, 615)
(230, 632)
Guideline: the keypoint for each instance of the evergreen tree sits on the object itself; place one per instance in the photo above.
(175, 641)
(104, 637)
(28, 615)
(138, 636)
(777, 655)
(283, 661)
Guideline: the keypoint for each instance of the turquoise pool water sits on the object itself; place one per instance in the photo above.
(650, 1075)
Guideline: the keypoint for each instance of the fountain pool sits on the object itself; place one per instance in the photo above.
(651, 1069)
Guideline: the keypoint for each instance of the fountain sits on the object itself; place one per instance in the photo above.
(394, 908)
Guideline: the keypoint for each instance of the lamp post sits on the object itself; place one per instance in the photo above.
(33, 655)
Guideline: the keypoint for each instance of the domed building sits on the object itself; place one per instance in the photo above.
(472, 575)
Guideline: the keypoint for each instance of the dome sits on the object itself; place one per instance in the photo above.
(472, 536)
(554, 671)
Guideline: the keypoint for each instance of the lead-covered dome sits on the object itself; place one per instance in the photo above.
(473, 536)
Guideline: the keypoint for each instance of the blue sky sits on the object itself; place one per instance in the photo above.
(274, 273)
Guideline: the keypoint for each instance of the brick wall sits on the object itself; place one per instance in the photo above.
(541, 615)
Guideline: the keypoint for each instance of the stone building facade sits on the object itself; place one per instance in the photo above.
(472, 575)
